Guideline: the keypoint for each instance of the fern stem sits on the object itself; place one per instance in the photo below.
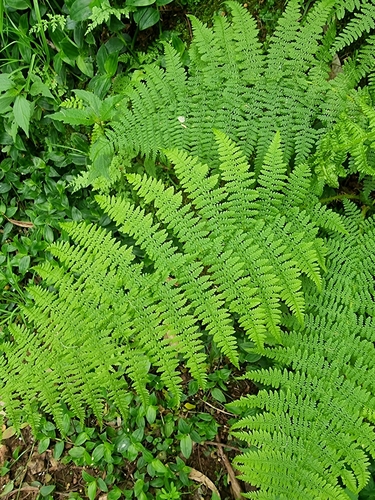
(339, 197)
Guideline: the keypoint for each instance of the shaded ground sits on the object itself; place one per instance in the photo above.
(31, 468)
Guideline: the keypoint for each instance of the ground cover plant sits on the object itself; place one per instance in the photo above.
(229, 236)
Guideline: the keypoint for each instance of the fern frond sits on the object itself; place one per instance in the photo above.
(208, 229)
(187, 273)
(361, 22)
(284, 37)
(318, 410)
(272, 179)
(249, 57)
(341, 6)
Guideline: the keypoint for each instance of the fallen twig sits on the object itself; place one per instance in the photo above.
(235, 485)
(197, 476)
(217, 409)
(214, 443)
(19, 223)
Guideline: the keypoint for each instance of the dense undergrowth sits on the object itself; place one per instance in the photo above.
(191, 279)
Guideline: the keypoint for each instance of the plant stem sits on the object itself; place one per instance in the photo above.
(134, 37)
(41, 30)
(1, 16)
(339, 197)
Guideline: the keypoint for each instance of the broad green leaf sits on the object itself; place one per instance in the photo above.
(139, 3)
(114, 494)
(186, 446)
(8, 488)
(102, 485)
(168, 428)
(122, 443)
(48, 234)
(85, 65)
(108, 452)
(91, 99)
(18, 4)
(59, 448)
(98, 453)
(4, 187)
(183, 426)
(151, 414)
(147, 456)
(23, 266)
(146, 17)
(75, 116)
(44, 443)
(22, 113)
(101, 57)
(101, 154)
(138, 487)
(8, 433)
(218, 395)
(132, 453)
(69, 50)
(100, 85)
(111, 64)
(91, 490)
(47, 490)
(77, 216)
(87, 458)
(40, 88)
(77, 452)
(160, 3)
(87, 477)
(139, 433)
(80, 10)
(159, 466)
(109, 107)
(115, 45)
(5, 82)
(25, 51)
(5, 102)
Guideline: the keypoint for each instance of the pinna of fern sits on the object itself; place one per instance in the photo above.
(219, 252)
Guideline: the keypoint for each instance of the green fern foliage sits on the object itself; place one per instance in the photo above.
(349, 147)
(226, 252)
(362, 22)
(241, 247)
(311, 427)
(249, 92)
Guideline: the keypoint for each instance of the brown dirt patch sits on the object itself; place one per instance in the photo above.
(31, 470)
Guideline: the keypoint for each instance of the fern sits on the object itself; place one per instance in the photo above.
(352, 137)
(242, 247)
(318, 413)
(103, 13)
(362, 22)
(217, 252)
(233, 84)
